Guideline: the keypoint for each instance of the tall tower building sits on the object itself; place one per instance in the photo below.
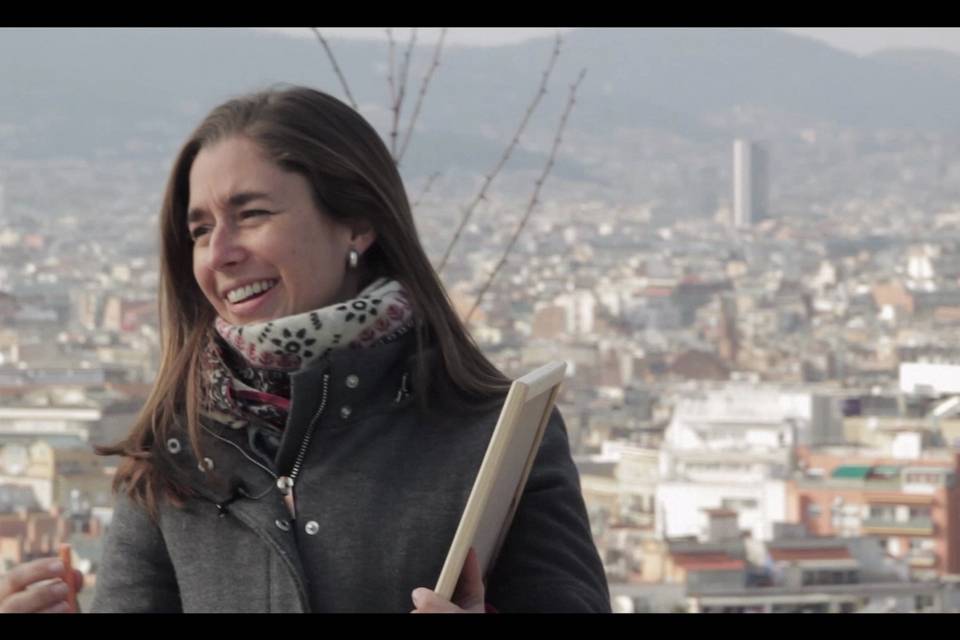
(750, 183)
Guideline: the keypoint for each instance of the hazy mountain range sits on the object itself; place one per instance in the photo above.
(75, 91)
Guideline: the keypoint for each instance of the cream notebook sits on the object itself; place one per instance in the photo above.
(503, 472)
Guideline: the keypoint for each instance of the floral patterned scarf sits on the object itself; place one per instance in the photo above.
(246, 369)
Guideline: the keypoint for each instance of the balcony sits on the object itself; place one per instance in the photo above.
(922, 559)
(889, 526)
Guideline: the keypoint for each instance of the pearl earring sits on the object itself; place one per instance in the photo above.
(353, 258)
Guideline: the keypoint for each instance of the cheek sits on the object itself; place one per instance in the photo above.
(316, 275)
(204, 281)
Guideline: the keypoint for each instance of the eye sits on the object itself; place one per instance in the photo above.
(253, 213)
(196, 232)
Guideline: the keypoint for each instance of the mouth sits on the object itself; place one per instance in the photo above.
(250, 292)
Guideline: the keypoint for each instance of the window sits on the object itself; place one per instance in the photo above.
(922, 544)
(924, 478)
(920, 512)
(883, 512)
(737, 504)
(829, 576)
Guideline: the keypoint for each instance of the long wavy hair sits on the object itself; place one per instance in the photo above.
(353, 178)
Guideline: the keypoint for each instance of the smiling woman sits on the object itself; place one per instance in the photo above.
(320, 411)
(262, 248)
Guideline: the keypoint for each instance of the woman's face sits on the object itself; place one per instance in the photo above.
(262, 249)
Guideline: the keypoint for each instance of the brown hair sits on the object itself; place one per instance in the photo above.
(353, 178)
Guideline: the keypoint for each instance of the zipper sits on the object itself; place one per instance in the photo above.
(286, 483)
(402, 393)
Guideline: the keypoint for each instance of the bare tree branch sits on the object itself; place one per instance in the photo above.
(406, 60)
(401, 93)
(390, 68)
(468, 212)
(336, 67)
(426, 188)
(423, 92)
(534, 199)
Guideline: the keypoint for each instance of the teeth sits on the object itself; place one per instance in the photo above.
(238, 295)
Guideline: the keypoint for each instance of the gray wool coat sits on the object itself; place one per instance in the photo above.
(379, 493)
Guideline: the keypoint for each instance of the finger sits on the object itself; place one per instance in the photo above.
(34, 600)
(469, 593)
(24, 575)
(426, 601)
(78, 579)
(60, 607)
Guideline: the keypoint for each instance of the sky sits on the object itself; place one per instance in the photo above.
(477, 36)
(858, 40)
(863, 40)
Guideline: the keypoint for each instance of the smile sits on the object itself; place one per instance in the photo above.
(244, 293)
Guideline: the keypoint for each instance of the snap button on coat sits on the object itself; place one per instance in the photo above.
(312, 527)
(173, 446)
(352, 381)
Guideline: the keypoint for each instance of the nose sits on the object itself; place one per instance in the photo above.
(226, 248)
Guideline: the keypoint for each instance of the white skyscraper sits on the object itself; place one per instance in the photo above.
(750, 183)
(578, 309)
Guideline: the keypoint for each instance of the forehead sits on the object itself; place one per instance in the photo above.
(231, 166)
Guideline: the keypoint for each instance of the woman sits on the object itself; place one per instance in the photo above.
(320, 411)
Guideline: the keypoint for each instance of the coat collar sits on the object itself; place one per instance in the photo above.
(350, 386)
(353, 385)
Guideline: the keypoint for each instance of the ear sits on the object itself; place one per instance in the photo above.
(362, 236)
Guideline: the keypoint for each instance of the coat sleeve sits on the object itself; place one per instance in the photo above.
(549, 562)
(135, 574)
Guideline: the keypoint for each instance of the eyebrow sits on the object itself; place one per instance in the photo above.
(236, 200)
